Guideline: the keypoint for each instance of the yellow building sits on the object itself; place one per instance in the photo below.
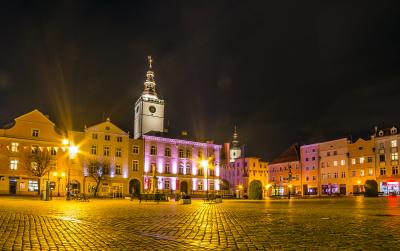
(258, 172)
(32, 153)
(361, 164)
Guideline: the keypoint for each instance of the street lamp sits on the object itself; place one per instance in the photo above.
(72, 150)
(204, 164)
(290, 188)
(59, 176)
(240, 188)
(267, 189)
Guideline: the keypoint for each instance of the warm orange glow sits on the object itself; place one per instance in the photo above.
(73, 150)
(204, 163)
(65, 142)
(240, 186)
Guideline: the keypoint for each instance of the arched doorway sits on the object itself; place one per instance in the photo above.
(74, 186)
(184, 187)
(255, 190)
(224, 185)
(134, 187)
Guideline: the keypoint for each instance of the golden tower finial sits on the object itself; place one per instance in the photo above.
(150, 61)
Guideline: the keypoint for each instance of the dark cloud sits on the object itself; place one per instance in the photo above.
(283, 72)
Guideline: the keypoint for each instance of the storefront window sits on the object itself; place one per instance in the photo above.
(33, 186)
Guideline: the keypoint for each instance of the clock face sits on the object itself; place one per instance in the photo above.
(152, 109)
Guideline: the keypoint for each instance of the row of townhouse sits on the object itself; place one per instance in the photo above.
(339, 166)
(34, 153)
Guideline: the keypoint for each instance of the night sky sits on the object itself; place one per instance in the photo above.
(282, 71)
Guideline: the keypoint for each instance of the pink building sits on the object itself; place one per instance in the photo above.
(173, 165)
(310, 169)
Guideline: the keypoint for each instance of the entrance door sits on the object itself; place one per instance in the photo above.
(134, 187)
(184, 187)
(13, 186)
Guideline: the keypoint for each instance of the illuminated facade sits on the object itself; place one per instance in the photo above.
(258, 172)
(29, 133)
(284, 173)
(310, 169)
(361, 164)
(387, 159)
(174, 165)
(334, 167)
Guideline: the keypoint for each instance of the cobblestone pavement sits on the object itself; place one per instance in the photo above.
(306, 224)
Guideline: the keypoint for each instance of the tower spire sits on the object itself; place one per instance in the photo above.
(235, 141)
(150, 83)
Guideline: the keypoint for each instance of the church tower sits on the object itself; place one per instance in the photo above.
(149, 108)
(234, 150)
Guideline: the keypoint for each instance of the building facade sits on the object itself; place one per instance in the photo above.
(310, 169)
(387, 160)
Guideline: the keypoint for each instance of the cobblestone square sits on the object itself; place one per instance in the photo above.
(299, 224)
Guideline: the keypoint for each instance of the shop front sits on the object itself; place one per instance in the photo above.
(389, 187)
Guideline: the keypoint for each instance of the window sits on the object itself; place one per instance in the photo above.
(167, 168)
(119, 139)
(343, 174)
(334, 152)
(307, 178)
(135, 150)
(181, 168)
(14, 147)
(335, 163)
(370, 171)
(362, 174)
(188, 170)
(382, 158)
(200, 154)
(106, 169)
(322, 164)
(201, 173)
(53, 152)
(168, 152)
(329, 175)
(313, 167)
(166, 184)
(94, 135)
(369, 159)
(35, 132)
(395, 170)
(362, 160)
(314, 178)
(135, 165)
(328, 154)
(353, 173)
(307, 168)
(93, 149)
(35, 149)
(306, 159)
(342, 162)
(353, 161)
(106, 151)
(118, 169)
(153, 167)
(107, 137)
(33, 186)
(13, 164)
(393, 143)
(323, 176)
(181, 153)
(153, 150)
(383, 171)
(328, 164)
(313, 158)
(200, 185)
(395, 156)
(381, 145)
(188, 153)
(118, 152)
(336, 175)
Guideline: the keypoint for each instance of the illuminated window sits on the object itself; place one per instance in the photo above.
(94, 135)
(395, 170)
(323, 176)
(383, 171)
(106, 151)
(135, 165)
(200, 154)
(53, 152)
(166, 184)
(362, 160)
(118, 152)
(200, 185)
(393, 143)
(107, 137)
(180, 168)
(153, 150)
(362, 173)
(167, 169)
(342, 162)
(168, 152)
(119, 139)
(135, 150)
(370, 171)
(353, 161)
(181, 153)
(335, 163)
(188, 153)
(118, 169)
(33, 186)
(35, 132)
(14, 147)
(395, 156)
(343, 174)
(93, 149)
(13, 164)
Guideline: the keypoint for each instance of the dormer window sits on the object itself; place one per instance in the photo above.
(35, 132)
(393, 130)
(380, 133)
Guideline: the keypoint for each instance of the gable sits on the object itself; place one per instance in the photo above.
(34, 116)
(106, 127)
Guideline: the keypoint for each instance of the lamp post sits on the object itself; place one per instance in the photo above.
(72, 151)
(204, 164)
(267, 190)
(58, 176)
(240, 188)
(290, 188)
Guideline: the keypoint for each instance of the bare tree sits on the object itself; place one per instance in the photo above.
(37, 161)
(97, 170)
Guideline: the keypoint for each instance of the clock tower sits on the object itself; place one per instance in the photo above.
(235, 151)
(149, 108)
